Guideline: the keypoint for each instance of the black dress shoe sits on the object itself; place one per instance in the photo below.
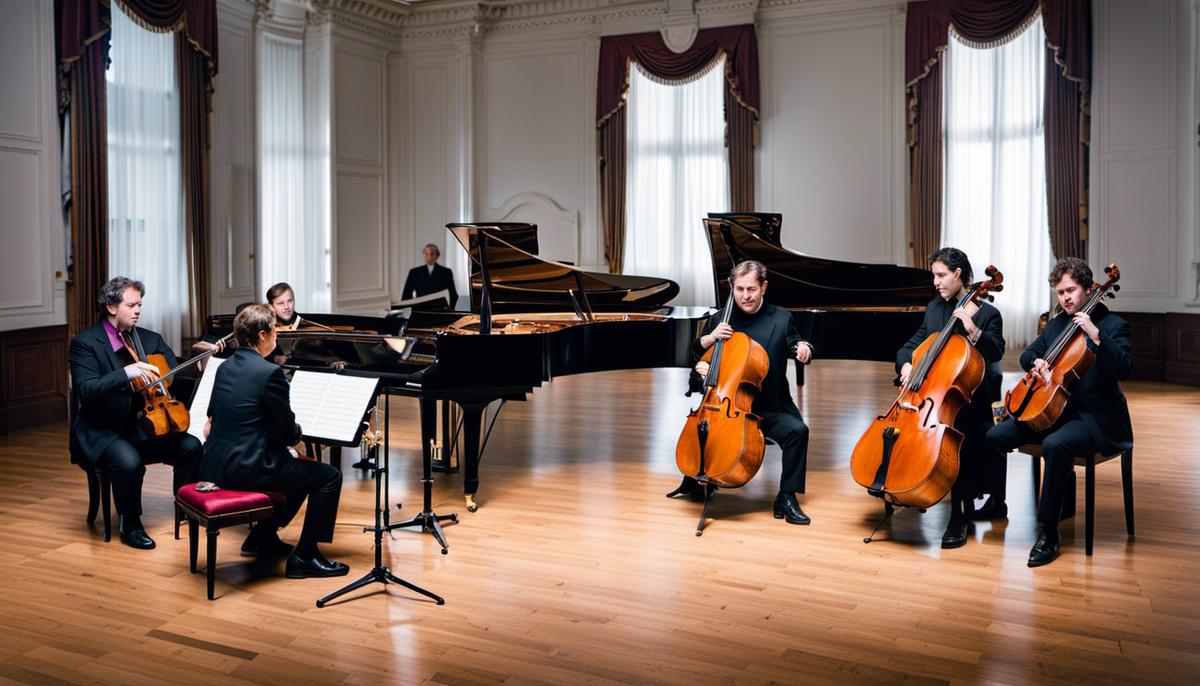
(956, 533)
(1044, 551)
(134, 536)
(272, 547)
(364, 463)
(990, 510)
(691, 489)
(318, 566)
(787, 508)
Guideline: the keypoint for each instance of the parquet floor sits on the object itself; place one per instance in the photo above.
(576, 570)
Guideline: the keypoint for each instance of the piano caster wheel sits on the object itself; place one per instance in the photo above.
(471, 504)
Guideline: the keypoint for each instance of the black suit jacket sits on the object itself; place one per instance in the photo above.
(1097, 398)
(990, 346)
(252, 422)
(421, 282)
(107, 410)
(775, 330)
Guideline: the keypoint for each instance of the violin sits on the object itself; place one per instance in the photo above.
(909, 454)
(721, 443)
(162, 414)
(1039, 402)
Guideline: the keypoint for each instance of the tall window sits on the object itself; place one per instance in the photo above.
(293, 182)
(145, 193)
(678, 172)
(995, 171)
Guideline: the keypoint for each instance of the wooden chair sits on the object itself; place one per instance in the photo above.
(1089, 463)
(99, 485)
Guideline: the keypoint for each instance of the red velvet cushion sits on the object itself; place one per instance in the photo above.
(222, 501)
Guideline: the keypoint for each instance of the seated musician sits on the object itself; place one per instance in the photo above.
(984, 328)
(250, 428)
(282, 301)
(1096, 418)
(773, 329)
(430, 277)
(105, 359)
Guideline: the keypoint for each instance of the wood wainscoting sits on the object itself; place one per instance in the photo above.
(1166, 346)
(33, 376)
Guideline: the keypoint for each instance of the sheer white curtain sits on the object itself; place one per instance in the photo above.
(294, 243)
(995, 171)
(678, 172)
(145, 193)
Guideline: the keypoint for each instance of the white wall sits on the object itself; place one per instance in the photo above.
(32, 237)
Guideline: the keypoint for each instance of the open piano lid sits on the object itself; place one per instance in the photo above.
(520, 281)
(801, 282)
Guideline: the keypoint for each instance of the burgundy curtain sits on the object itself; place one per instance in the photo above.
(1067, 24)
(1067, 119)
(83, 32)
(739, 44)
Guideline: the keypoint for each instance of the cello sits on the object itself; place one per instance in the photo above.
(909, 454)
(721, 444)
(1037, 401)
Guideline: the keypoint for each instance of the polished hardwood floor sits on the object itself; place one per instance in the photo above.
(576, 569)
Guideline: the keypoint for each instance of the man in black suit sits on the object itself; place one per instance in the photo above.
(772, 328)
(250, 429)
(105, 359)
(430, 277)
(984, 328)
(1096, 418)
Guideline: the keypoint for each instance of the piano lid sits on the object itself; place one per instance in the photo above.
(801, 282)
(523, 282)
(767, 225)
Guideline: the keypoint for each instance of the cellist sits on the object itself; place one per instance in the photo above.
(1096, 418)
(772, 328)
(105, 359)
(984, 328)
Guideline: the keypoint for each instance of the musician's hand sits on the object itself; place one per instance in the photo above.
(1084, 321)
(721, 333)
(205, 346)
(964, 314)
(804, 352)
(148, 373)
(1042, 369)
(904, 372)
(207, 428)
(702, 368)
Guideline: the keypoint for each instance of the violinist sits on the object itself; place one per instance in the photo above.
(250, 429)
(282, 301)
(984, 328)
(773, 329)
(105, 359)
(1096, 418)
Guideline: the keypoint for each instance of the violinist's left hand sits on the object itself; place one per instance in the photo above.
(804, 352)
(964, 315)
(1084, 321)
(205, 346)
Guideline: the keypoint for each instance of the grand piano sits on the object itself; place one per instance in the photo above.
(848, 310)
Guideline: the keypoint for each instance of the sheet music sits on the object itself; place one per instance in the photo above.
(199, 407)
(330, 406)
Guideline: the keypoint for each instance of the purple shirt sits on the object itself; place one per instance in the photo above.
(113, 336)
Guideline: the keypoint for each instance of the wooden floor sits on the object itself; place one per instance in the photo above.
(576, 569)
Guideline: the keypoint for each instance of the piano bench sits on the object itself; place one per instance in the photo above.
(216, 510)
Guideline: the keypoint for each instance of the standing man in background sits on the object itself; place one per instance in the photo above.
(430, 277)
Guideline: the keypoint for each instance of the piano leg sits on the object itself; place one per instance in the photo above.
(472, 424)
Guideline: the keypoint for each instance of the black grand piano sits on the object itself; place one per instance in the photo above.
(848, 310)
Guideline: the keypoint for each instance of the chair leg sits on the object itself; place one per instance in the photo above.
(1037, 479)
(211, 568)
(335, 456)
(193, 542)
(1090, 502)
(106, 504)
(1127, 487)
(178, 517)
(93, 495)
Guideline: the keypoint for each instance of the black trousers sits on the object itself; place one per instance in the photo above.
(1060, 445)
(320, 483)
(977, 461)
(126, 463)
(791, 433)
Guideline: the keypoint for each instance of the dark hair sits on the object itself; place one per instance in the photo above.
(113, 292)
(252, 320)
(278, 290)
(437, 252)
(749, 267)
(954, 259)
(1079, 270)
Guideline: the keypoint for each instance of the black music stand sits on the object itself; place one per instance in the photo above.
(379, 573)
(429, 521)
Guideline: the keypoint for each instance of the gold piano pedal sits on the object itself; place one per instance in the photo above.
(471, 504)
